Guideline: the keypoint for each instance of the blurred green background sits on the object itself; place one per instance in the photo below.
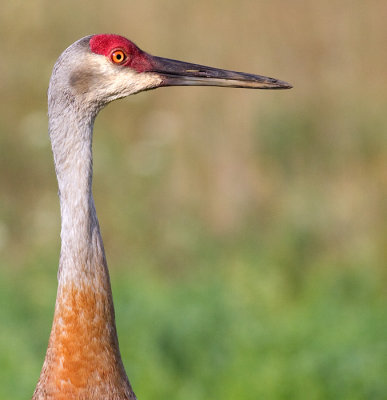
(245, 230)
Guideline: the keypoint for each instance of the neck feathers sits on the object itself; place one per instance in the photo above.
(83, 359)
(81, 242)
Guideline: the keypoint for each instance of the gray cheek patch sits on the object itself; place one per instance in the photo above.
(82, 80)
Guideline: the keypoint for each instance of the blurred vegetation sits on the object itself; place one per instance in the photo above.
(245, 231)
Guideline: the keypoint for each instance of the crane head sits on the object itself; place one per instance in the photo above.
(102, 68)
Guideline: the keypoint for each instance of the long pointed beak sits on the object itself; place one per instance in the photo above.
(179, 73)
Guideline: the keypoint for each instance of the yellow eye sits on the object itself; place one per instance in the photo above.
(118, 56)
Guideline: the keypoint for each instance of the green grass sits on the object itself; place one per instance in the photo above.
(231, 326)
(288, 304)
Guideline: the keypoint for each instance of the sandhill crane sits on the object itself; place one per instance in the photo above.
(83, 359)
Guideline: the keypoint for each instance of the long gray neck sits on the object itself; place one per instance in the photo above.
(81, 244)
(83, 358)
